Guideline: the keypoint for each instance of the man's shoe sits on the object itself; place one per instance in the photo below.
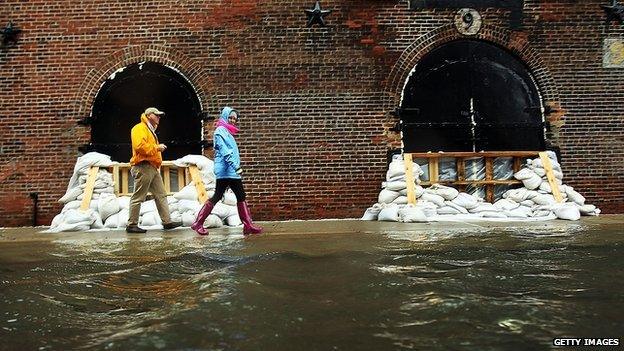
(133, 228)
(171, 225)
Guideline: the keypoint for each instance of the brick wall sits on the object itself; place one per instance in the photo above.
(315, 102)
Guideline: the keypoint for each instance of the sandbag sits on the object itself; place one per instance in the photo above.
(567, 211)
(492, 214)
(389, 213)
(506, 205)
(108, 205)
(544, 199)
(447, 210)
(456, 206)
(187, 219)
(229, 198)
(575, 196)
(72, 205)
(588, 210)
(149, 219)
(213, 221)
(436, 199)
(70, 195)
(189, 192)
(233, 221)
(401, 200)
(124, 202)
(396, 185)
(148, 206)
(371, 213)
(446, 192)
(519, 212)
(188, 205)
(466, 201)
(412, 214)
(387, 196)
(395, 168)
(484, 206)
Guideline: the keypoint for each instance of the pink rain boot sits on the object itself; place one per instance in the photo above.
(203, 213)
(245, 216)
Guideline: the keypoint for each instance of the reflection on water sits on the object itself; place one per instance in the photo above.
(476, 289)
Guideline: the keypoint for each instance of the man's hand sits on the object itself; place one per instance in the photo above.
(161, 147)
(239, 171)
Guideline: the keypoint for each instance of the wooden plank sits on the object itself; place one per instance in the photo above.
(517, 163)
(116, 179)
(166, 178)
(433, 170)
(461, 172)
(475, 154)
(551, 176)
(181, 180)
(489, 175)
(88, 192)
(409, 178)
(199, 184)
(125, 189)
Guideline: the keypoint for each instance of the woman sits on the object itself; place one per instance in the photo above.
(228, 173)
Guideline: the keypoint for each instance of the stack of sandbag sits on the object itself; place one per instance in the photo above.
(533, 201)
(107, 211)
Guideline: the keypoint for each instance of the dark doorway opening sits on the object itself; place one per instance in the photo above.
(123, 98)
(469, 95)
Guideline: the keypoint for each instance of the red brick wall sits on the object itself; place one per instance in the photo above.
(315, 102)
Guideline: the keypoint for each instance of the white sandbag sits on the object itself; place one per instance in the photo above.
(542, 213)
(229, 198)
(506, 205)
(396, 185)
(78, 216)
(588, 210)
(148, 206)
(567, 211)
(124, 215)
(389, 213)
(446, 192)
(188, 205)
(171, 200)
(492, 214)
(537, 163)
(418, 191)
(466, 201)
(108, 205)
(447, 210)
(222, 210)
(436, 199)
(484, 206)
(528, 203)
(387, 196)
(519, 212)
(189, 192)
(401, 200)
(532, 182)
(428, 208)
(575, 196)
(106, 190)
(233, 221)
(175, 216)
(213, 221)
(544, 199)
(112, 221)
(456, 206)
(203, 163)
(149, 219)
(371, 213)
(98, 223)
(412, 214)
(519, 195)
(70, 195)
(187, 219)
(71, 205)
(395, 168)
(539, 171)
(524, 173)
(124, 202)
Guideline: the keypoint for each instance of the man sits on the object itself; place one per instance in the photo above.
(146, 160)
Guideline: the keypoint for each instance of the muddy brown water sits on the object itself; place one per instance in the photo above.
(314, 286)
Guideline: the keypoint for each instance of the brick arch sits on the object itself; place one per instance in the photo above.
(188, 67)
(515, 42)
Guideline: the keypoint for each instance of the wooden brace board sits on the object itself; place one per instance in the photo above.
(199, 184)
(88, 192)
(554, 186)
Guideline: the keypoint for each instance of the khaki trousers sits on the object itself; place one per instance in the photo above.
(147, 179)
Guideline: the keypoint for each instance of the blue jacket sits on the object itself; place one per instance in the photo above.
(227, 158)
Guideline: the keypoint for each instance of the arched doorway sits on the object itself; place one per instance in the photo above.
(470, 95)
(126, 94)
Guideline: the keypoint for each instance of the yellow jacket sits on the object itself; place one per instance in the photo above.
(144, 144)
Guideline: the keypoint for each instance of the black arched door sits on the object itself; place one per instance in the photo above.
(123, 98)
(469, 95)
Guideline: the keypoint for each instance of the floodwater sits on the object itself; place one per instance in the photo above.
(444, 287)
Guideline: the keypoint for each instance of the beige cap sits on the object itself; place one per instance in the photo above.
(153, 110)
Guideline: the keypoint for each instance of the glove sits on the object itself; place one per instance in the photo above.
(239, 171)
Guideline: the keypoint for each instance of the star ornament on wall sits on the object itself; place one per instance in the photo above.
(614, 12)
(315, 15)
